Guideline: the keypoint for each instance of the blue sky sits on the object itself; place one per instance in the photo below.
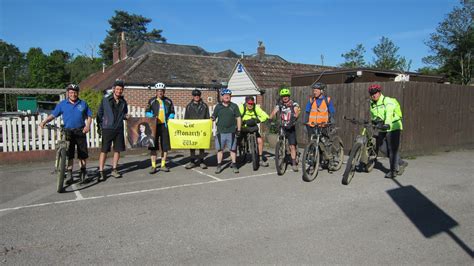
(299, 31)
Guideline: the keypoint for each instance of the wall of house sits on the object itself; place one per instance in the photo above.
(241, 84)
(180, 97)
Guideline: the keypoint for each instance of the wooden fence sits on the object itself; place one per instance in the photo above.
(23, 134)
(436, 117)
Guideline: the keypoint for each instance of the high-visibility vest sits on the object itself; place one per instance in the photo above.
(319, 114)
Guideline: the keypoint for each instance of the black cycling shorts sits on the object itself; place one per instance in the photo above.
(115, 137)
(77, 138)
(163, 136)
(291, 135)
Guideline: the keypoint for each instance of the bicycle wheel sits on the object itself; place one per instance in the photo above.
(61, 171)
(310, 162)
(242, 154)
(252, 141)
(352, 163)
(338, 156)
(372, 157)
(280, 160)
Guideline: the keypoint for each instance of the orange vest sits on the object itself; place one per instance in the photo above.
(319, 114)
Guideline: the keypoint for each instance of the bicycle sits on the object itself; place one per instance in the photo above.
(363, 153)
(61, 157)
(248, 144)
(283, 152)
(322, 149)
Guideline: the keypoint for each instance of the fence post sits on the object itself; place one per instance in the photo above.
(33, 132)
(27, 133)
(15, 135)
(4, 135)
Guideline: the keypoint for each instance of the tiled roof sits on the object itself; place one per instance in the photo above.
(169, 48)
(272, 74)
(171, 69)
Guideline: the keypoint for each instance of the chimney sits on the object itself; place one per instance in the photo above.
(115, 57)
(260, 49)
(123, 47)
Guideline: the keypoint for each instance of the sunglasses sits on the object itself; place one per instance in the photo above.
(373, 91)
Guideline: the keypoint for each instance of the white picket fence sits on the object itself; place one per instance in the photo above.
(24, 134)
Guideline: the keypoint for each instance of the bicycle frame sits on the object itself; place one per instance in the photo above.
(366, 138)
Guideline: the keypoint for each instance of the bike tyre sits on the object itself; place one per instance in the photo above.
(340, 153)
(254, 151)
(312, 149)
(280, 158)
(352, 163)
(61, 171)
(371, 163)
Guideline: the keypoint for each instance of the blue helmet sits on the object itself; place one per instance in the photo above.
(226, 91)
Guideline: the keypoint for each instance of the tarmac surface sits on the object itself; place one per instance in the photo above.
(196, 216)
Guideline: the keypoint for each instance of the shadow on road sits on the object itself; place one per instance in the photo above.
(428, 218)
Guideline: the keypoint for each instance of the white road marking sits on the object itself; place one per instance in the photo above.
(130, 192)
(78, 194)
(211, 176)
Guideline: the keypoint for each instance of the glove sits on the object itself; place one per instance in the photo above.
(171, 116)
(384, 127)
(237, 133)
(149, 114)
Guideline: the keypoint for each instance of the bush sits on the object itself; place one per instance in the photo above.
(93, 98)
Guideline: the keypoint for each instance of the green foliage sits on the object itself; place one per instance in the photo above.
(136, 32)
(83, 66)
(354, 58)
(92, 97)
(387, 57)
(452, 45)
(47, 71)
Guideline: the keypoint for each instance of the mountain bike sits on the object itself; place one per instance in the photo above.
(248, 144)
(363, 153)
(60, 163)
(283, 152)
(324, 148)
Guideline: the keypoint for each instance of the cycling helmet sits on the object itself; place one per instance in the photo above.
(374, 88)
(160, 86)
(226, 91)
(73, 87)
(285, 92)
(119, 82)
(319, 85)
(196, 92)
(249, 100)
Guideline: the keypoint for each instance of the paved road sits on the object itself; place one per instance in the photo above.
(197, 217)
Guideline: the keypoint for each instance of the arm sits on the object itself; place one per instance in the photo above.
(239, 123)
(206, 110)
(172, 113)
(273, 113)
(100, 114)
(87, 128)
(262, 116)
(56, 112)
(46, 121)
(186, 112)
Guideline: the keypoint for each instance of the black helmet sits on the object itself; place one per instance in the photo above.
(119, 82)
(319, 85)
(196, 92)
(73, 87)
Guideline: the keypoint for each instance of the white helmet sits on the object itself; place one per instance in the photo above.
(160, 86)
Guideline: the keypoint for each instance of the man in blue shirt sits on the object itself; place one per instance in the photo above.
(77, 119)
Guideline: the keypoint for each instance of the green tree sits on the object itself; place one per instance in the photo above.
(387, 57)
(136, 32)
(452, 45)
(82, 66)
(92, 97)
(354, 58)
(47, 71)
(14, 61)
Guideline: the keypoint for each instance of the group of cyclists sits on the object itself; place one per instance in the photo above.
(233, 123)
